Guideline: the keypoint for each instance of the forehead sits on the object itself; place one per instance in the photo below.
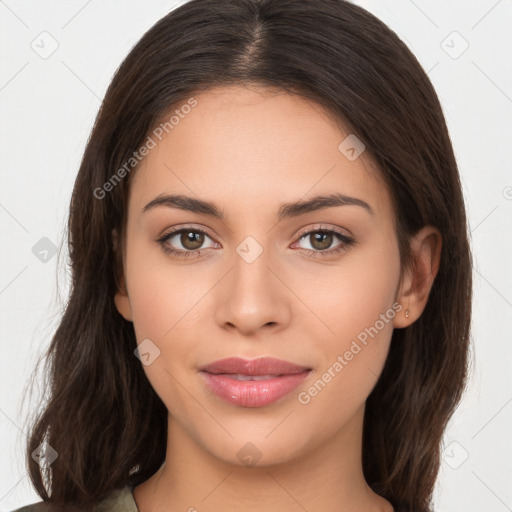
(252, 146)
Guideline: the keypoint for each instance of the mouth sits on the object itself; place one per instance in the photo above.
(240, 376)
(261, 367)
(253, 383)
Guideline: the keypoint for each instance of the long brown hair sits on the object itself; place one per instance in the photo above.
(106, 423)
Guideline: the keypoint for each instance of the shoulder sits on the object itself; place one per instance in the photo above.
(120, 500)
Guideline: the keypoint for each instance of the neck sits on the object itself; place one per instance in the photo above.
(325, 477)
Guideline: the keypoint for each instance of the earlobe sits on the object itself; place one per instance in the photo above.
(415, 289)
(122, 303)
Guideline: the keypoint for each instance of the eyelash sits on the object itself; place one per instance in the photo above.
(346, 242)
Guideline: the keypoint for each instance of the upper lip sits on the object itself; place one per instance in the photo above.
(260, 366)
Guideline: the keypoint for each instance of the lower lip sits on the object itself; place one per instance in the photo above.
(253, 393)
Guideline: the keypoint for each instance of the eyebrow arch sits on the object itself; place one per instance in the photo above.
(185, 203)
(318, 203)
(286, 210)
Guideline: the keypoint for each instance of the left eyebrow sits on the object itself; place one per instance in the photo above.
(286, 210)
(295, 209)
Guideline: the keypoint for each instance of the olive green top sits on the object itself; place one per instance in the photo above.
(119, 501)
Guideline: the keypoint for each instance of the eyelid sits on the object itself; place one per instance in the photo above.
(322, 227)
(192, 227)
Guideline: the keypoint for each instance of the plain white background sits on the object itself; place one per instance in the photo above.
(48, 104)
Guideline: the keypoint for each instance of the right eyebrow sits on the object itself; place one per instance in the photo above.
(185, 203)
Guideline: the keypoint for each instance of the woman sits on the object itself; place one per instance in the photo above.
(271, 295)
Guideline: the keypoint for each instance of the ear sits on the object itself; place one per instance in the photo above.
(419, 278)
(121, 298)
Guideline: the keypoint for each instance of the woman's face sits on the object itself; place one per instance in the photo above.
(313, 284)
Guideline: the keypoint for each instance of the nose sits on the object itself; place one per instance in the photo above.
(253, 296)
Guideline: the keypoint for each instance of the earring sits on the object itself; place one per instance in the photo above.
(406, 313)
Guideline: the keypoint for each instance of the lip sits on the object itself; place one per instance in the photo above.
(286, 376)
(259, 366)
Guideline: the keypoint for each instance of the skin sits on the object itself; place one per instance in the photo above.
(249, 149)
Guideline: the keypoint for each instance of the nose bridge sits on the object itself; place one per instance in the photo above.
(251, 266)
(253, 297)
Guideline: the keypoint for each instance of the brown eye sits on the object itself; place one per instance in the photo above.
(185, 242)
(191, 240)
(321, 240)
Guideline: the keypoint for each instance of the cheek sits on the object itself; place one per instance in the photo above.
(160, 296)
(353, 360)
(164, 303)
(358, 308)
(161, 310)
(354, 294)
